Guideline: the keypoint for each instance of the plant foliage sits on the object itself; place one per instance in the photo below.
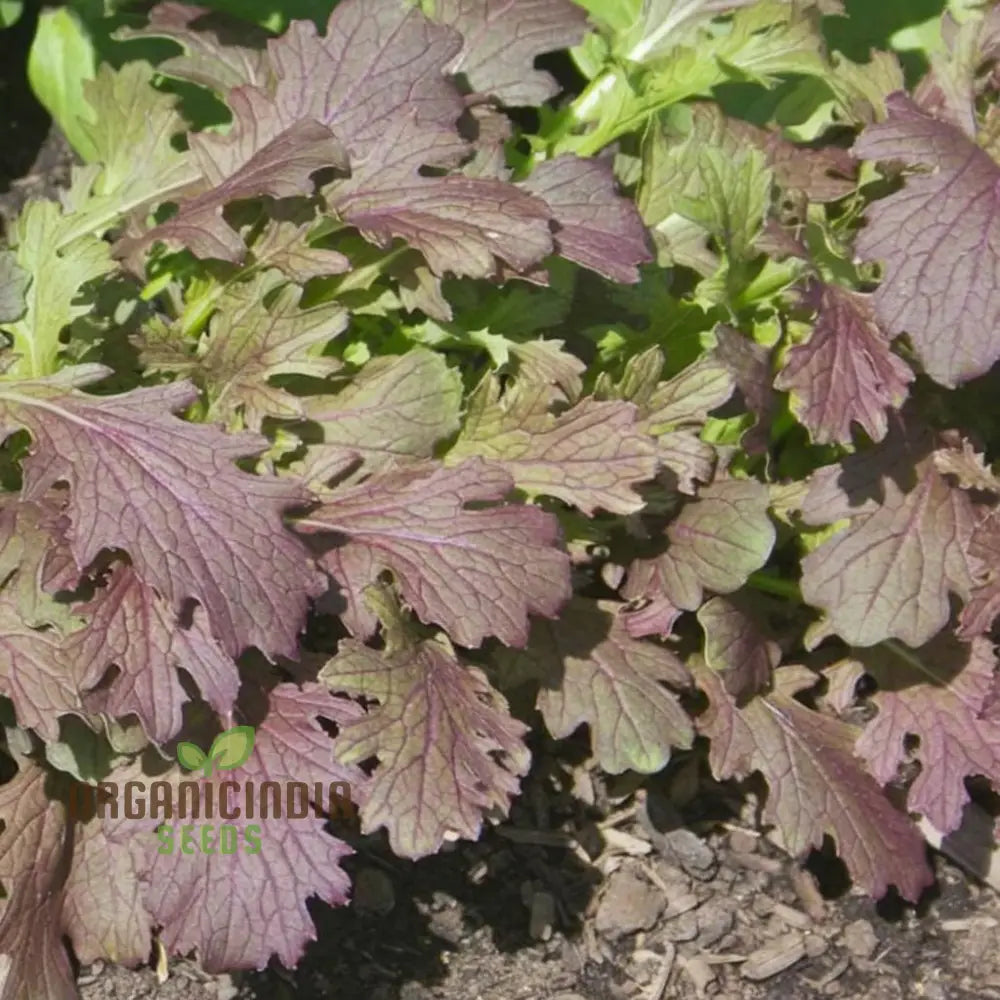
(650, 380)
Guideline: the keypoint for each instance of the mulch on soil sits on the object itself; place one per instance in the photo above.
(578, 897)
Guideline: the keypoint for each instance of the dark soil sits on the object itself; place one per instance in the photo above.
(573, 901)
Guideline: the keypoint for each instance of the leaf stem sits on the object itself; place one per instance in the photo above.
(154, 286)
(769, 584)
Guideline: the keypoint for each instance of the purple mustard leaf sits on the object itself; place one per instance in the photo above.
(170, 494)
(237, 910)
(845, 372)
(33, 857)
(393, 411)
(591, 671)
(448, 749)
(475, 571)
(378, 61)
(936, 694)
(594, 225)
(37, 676)
(737, 645)
(501, 39)
(714, 543)
(938, 239)
(132, 628)
(462, 225)
(816, 785)
(890, 571)
(248, 344)
(590, 456)
(219, 53)
(104, 912)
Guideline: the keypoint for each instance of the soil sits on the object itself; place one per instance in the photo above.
(577, 897)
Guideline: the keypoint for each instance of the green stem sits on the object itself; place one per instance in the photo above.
(197, 314)
(153, 287)
(770, 281)
(578, 112)
(107, 215)
(769, 584)
(359, 278)
(630, 114)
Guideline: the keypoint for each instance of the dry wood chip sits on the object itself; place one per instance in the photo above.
(624, 843)
(629, 904)
(654, 876)
(757, 863)
(742, 841)
(776, 956)
(816, 946)
(659, 985)
(808, 892)
(792, 917)
(967, 924)
(701, 974)
(860, 938)
(681, 904)
(618, 817)
(839, 968)
(643, 955)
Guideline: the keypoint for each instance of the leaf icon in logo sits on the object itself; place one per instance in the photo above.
(230, 749)
(190, 757)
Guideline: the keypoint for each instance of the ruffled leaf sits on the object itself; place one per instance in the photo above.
(594, 225)
(890, 572)
(448, 749)
(737, 646)
(939, 241)
(33, 860)
(590, 456)
(845, 372)
(393, 411)
(61, 262)
(239, 909)
(501, 39)
(37, 677)
(104, 910)
(674, 411)
(462, 225)
(219, 53)
(816, 786)
(475, 571)
(250, 343)
(714, 543)
(936, 694)
(33, 556)
(169, 493)
(591, 671)
(131, 628)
